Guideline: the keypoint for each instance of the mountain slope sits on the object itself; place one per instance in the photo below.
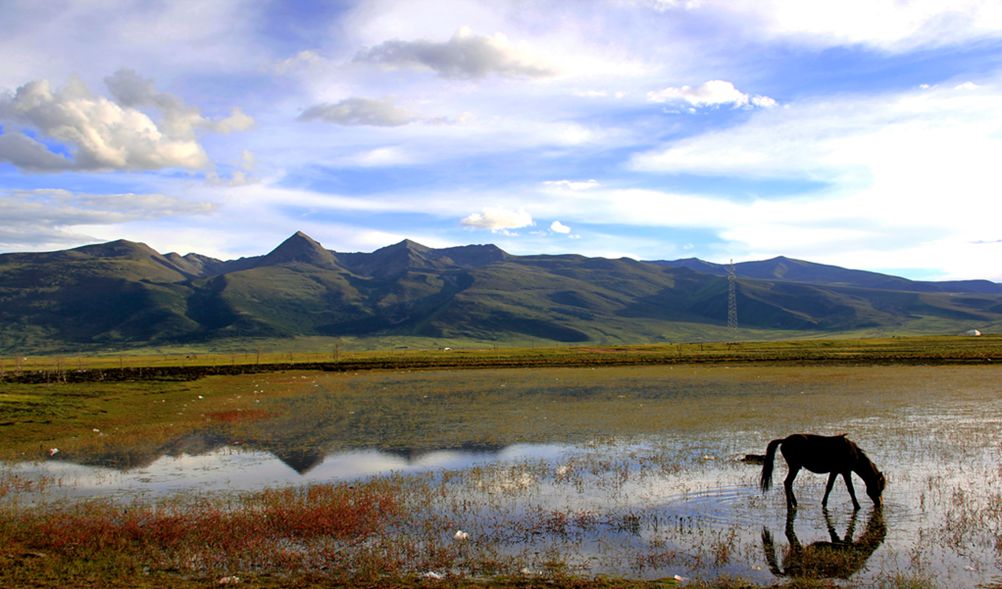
(122, 294)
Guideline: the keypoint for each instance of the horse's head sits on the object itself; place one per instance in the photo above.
(875, 486)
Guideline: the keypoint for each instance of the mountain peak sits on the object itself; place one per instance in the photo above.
(410, 245)
(120, 248)
(300, 247)
(476, 255)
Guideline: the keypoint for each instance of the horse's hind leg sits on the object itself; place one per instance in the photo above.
(791, 501)
(847, 476)
(828, 488)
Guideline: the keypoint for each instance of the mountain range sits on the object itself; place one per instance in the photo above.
(124, 294)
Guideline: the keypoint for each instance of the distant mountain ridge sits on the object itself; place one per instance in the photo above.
(122, 294)
(792, 270)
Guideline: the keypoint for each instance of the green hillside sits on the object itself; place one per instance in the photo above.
(125, 295)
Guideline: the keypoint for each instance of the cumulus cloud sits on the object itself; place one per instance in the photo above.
(360, 111)
(33, 219)
(498, 220)
(131, 90)
(28, 154)
(710, 94)
(464, 56)
(42, 123)
(558, 227)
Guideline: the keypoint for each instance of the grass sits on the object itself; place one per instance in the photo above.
(139, 366)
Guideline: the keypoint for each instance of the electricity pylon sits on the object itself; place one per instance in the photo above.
(732, 298)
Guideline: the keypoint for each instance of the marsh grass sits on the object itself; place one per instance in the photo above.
(650, 486)
(335, 528)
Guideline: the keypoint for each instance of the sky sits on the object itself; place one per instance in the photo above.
(861, 133)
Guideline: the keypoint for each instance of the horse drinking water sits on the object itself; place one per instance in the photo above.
(835, 455)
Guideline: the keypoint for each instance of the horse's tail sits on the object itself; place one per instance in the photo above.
(770, 458)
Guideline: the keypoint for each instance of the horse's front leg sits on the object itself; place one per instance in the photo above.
(791, 501)
(847, 476)
(828, 488)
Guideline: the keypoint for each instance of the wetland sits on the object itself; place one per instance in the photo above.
(629, 472)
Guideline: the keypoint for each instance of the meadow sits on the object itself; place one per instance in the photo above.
(340, 355)
(590, 474)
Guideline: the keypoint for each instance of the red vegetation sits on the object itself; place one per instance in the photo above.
(274, 526)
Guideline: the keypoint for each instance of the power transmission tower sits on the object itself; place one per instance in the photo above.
(732, 298)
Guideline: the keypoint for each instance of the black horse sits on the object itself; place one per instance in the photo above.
(835, 455)
(839, 558)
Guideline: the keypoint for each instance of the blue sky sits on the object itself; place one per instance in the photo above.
(865, 134)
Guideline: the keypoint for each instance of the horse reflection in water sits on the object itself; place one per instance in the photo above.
(838, 559)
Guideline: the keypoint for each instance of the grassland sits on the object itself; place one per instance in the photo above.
(147, 366)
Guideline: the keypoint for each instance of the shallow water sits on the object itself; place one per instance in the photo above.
(238, 469)
(633, 472)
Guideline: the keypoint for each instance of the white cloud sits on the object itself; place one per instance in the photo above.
(666, 5)
(175, 39)
(497, 219)
(381, 157)
(709, 94)
(899, 173)
(763, 101)
(131, 90)
(102, 134)
(572, 184)
(599, 94)
(920, 139)
(306, 59)
(464, 56)
(237, 122)
(889, 25)
(360, 111)
(373, 21)
(558, 227)
(241, 174)
(28, 154)
(56, 218)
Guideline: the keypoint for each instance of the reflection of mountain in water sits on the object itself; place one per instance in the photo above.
(412, 455)
(297, 456)
(127, 458)
(193, 444)
(301, 460)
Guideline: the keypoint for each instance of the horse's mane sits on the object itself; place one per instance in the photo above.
(864, 462)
